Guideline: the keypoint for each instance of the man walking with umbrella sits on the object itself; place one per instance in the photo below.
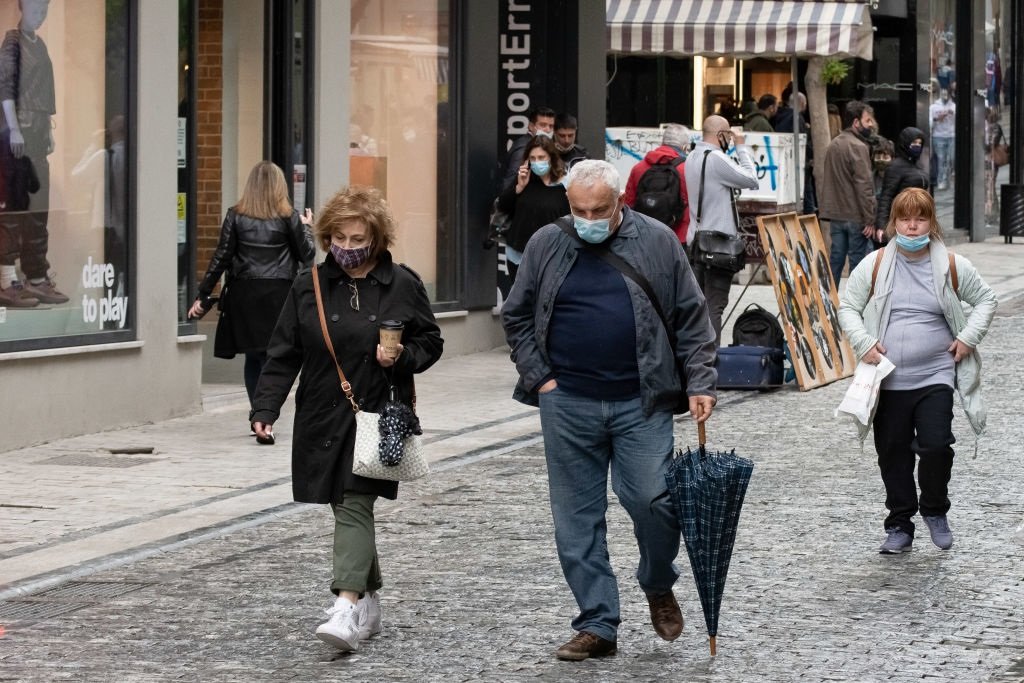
(610, 334)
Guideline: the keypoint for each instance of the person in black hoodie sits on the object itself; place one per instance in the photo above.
(904, 171)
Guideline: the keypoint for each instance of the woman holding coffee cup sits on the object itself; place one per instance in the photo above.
(380, 323)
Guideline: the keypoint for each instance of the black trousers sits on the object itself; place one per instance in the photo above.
(24, 234)
(908, 425)
(714, 283)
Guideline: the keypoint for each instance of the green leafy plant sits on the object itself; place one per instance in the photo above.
(833, 71)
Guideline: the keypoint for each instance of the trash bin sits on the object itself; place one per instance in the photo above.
(1011, 211)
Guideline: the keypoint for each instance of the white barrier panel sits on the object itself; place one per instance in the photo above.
(773, 156)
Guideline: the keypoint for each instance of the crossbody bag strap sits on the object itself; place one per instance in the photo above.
(345, 386)
(700, 190)
(954, 280)
(623, 266)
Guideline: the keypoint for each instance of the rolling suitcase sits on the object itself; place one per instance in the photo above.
(749, 367)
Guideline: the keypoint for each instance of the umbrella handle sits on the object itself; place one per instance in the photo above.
(714, 646)
(701, 434)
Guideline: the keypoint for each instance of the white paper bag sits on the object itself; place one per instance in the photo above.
(862, 396)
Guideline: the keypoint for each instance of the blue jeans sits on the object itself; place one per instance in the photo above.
(944, 157)
(847, 240)
(582, 438)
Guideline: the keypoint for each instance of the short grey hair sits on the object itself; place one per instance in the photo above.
(675, 135)
(590, 171)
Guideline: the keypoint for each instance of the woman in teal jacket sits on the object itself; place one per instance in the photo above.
(904, 301)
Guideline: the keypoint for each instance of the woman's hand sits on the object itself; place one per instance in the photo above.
(523, 178)
(197, 310)
(874, 354)
(386, 361)
(306, 217)
(960, 350)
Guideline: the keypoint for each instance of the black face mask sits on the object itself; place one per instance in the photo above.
(723, 142)
(914, 152)
(865, 134)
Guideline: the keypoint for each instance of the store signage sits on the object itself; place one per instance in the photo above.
(517, 64)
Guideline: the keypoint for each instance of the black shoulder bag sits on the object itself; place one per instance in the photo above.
(716, 249)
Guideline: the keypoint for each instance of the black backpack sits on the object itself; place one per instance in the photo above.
(757, 327)
(657, 193)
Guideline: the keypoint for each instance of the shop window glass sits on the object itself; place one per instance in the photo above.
(998, 100)
(399, 128)
(185, 161)
(65, 165)
(941, 116)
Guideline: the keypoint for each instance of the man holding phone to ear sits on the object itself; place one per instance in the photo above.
(713, 179)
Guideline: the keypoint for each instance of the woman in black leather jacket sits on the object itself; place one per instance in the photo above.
(903, 172)
(263, 242)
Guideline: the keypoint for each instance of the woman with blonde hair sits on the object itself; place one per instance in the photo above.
(904, 301)
(359, 288)
(263, 242)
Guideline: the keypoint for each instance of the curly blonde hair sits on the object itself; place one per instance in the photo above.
(356, 202)
(911, 203)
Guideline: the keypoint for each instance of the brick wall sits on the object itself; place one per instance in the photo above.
(209, 126)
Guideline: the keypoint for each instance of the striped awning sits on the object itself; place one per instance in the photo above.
(739, 28)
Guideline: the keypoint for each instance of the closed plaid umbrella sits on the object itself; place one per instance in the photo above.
(707, 490)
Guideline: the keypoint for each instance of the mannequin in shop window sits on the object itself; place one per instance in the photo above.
(26, 133)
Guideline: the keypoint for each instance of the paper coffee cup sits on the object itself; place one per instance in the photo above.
(391, 336)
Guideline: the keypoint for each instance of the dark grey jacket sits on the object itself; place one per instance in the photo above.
(655, 252)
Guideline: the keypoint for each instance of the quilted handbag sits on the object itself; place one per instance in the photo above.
(366, 461)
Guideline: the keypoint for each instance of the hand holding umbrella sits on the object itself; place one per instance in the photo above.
(707, 490)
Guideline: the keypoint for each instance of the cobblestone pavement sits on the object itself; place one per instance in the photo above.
(474, 593)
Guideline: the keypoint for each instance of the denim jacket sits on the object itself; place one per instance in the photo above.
(655, 252)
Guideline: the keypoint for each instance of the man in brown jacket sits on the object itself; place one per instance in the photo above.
(848, 192)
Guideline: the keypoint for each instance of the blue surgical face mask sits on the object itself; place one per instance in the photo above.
(912, 243)
(593, 232)
(540, 168)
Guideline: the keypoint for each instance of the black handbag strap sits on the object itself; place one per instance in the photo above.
(603, 252)
(700, 190)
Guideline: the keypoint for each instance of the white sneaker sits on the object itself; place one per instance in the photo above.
(341, 630)
(369, 615)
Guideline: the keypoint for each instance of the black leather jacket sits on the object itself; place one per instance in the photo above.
(258, 249)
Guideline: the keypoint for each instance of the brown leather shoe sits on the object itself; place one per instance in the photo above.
(585, 644)
(665, 615)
